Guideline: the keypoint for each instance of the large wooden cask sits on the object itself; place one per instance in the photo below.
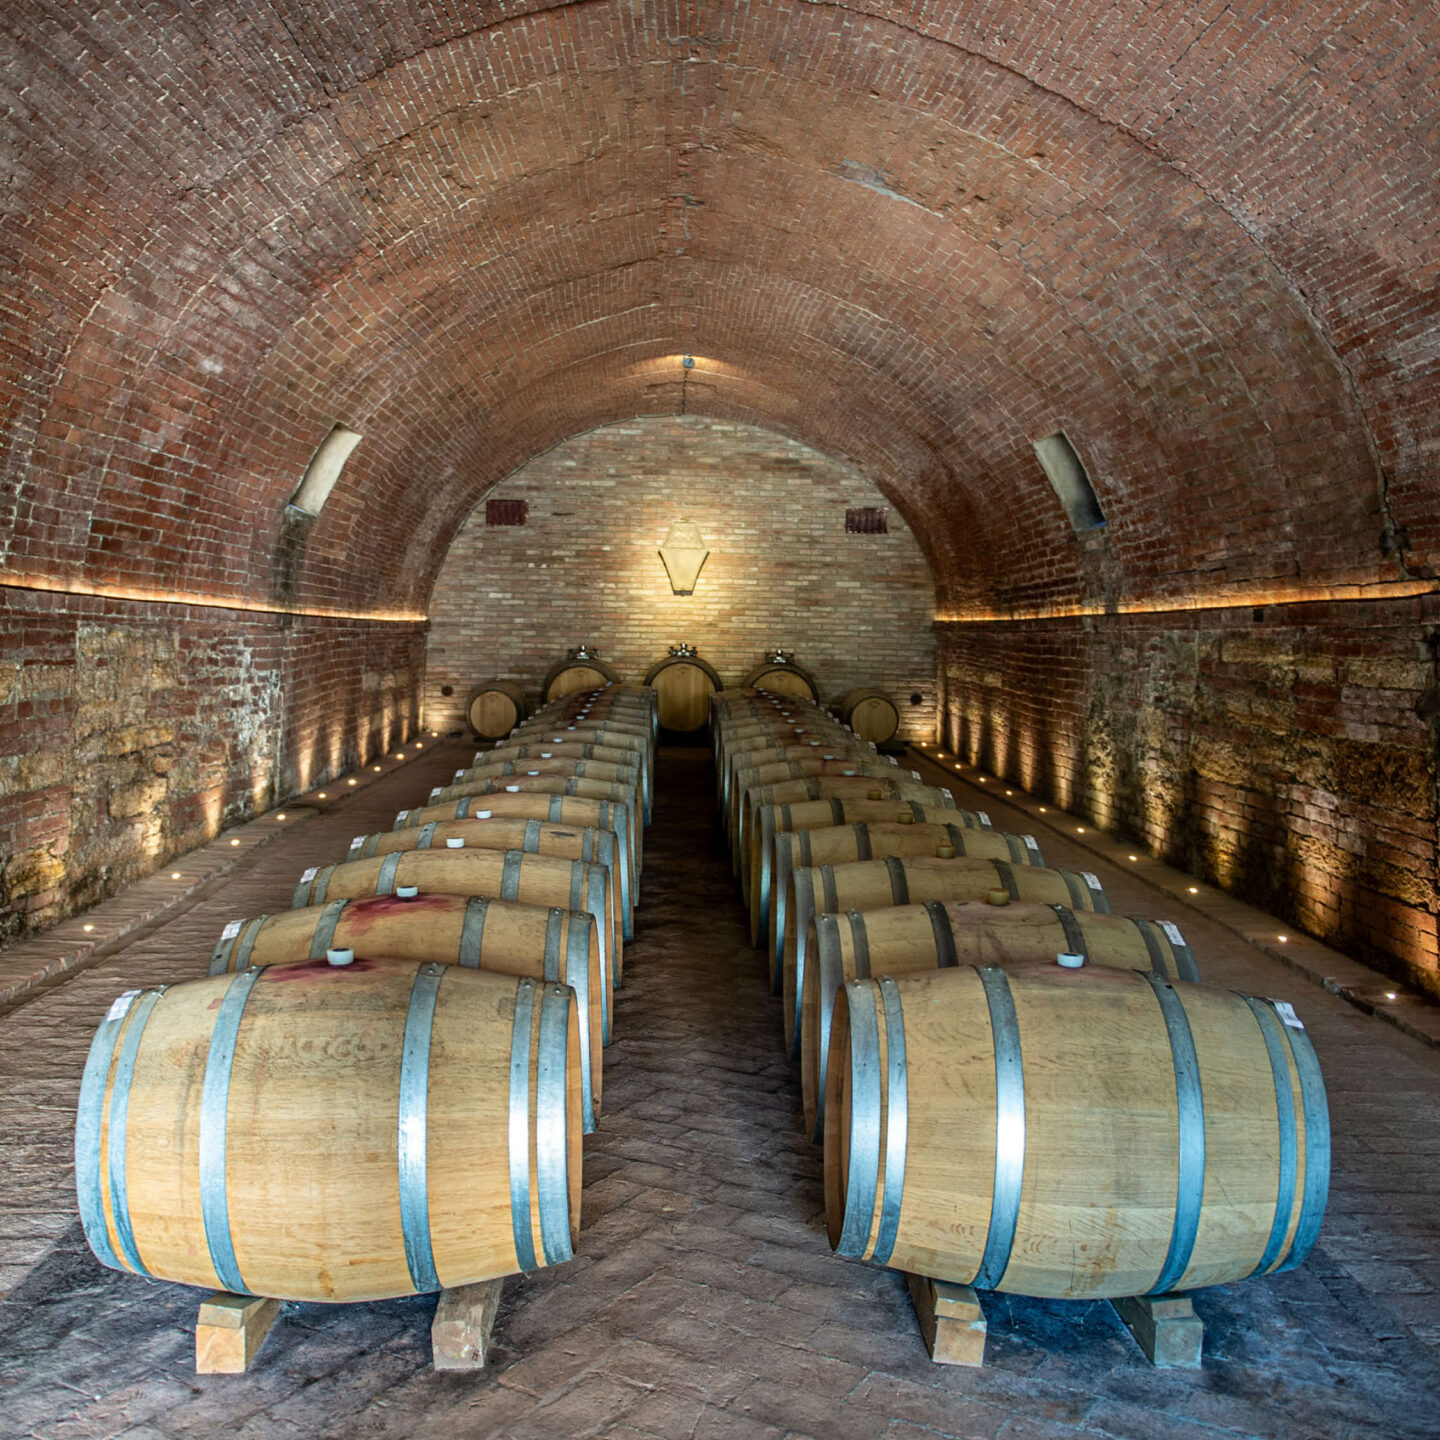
(627, 774)
(336, 1134)
(778, 674)
(495, 708)
(629, 750)
(871, 714)
(818, 764)
(683, 684)
(504, 874)
(891, 880)
(581, 670)
(562, 946)
(586, 843)
(862, 945)
(1075, 1134)
(736, 761)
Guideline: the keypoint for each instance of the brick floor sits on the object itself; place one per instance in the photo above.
(704, 1301)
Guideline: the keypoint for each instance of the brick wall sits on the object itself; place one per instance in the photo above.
(855, 609)
(1287, 754)
(131, 732)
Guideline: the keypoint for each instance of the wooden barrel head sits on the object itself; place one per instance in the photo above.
(871, 714)
(683, 686)
(495, 708)
(786, 679)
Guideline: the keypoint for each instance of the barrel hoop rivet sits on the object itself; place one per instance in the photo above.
(413, 1128)
(214, 1109)
(897, 1121)
(1190, 1118)
(1009, 1127)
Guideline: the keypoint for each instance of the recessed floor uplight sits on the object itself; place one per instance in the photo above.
(1042, 809)
(1079, 829)
(280, 816)
(1009, 792)
(88, 928)
(174, 874)
(321, 796)
(375, 768)
(1282, 938)
(1134, 857)
(419, 744)
(1391, 995)
(234, 842)
(352, 782)
(1194, 890)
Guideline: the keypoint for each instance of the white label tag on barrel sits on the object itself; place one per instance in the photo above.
(1031, 843)
(360, 839)
(984, 818)
(231, 930)
(435, 794)
(946, 793)
(1093, 881)
(513, 789)
(1172, 932)
(459, 774)
(402, 817)
(121, 1004)
(1286, 1012)
(482, 814)
(310, 874)
(915, 775)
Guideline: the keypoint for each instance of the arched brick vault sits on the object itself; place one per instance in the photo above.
(916, 237)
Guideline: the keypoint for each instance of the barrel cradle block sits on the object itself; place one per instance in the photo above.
(464, 1319)
(951, 1320)
(904, 939)
(229, 1331)
(477, 932)
(333, 1134)
(1072, 1134)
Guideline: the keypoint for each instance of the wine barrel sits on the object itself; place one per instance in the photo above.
(871, 714)
(819, 763)
(814, 749)
(495, 708)
(1074, 1134)
(732, 743)
(683, 685)
(860, 945)
(580, 671)
(637, 754)
(779, 676)
(504, 874)
(310, 1132)
(891, 880)
(620, 796)
(478, 775)
(562, 946)
(558, 809)
(586, 843)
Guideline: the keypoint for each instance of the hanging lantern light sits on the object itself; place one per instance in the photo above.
(684, 554)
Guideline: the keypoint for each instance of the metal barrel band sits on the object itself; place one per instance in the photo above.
(1074, 935)
(1009, 1127)
(88, 1128)
(472, 931)
(917, 810)
(220, 955)
(553, 923)
(827, 886)
(325, 926)
(1159, 962)
(837, 810)
(899, 883)
(577, 976)
(426, 839)
(957, 838)
(413, 1128)
(1006, 871)
(863, 849)
(1019, 851)
(1289, 1157)
(1190, 1122)
(551, 1151)
(303, 887)
(1076, 888)
(863, 1177)
(578, 873)
(246, 942)
(385, 879)
(1316, 1191)
(944, 934)
(322, 884)
(897, 1121)
(859, 943)
(510, 868)
(214, 1107)
(532, 836)
(519, 1125)
(119, 1114)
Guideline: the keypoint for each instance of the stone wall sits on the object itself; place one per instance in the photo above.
(130, 732)
(855, 609)
(1287, 753)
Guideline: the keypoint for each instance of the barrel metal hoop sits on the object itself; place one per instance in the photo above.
(917, 810)
(944, 934)
(1270, 1028)
(1009, 1127)
(413, 1127)
(246, 942)
(324, 935)
(1018, 849)
(552, 942)
(1153, 948)
(577, 885)
(1316, 1110)
(1190, 1119)
(472, 931)
(588, 842)
(551, 1154)
(556, 806)
(957, 838)
(303, 889)
(224, 947)
(119, 1114)
(864, 1176)
(322, 884)
(859, 943)
(837, 810)
(520, 1125)
(1074, 935)
(510, 874)
(214, 1108)
(426, 838)
(531, 842)
(462, 807)
(1185, 962)
(897, 1121)
(863, 848)
(1076, 886)
(827, 886)
(577, 977)
(88, 1126)
(899, 885)
(1006, 871)
(385, 880)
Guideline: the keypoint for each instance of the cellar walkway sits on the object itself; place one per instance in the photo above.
(704, 1301)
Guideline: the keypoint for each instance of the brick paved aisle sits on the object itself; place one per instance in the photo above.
(705, 1301)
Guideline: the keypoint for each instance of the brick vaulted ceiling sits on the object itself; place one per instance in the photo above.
(1201, 238)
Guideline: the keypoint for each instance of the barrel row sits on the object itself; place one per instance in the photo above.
(1015, 1088)
(382, 1091)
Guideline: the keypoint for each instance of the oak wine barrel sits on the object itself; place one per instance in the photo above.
(683, 684)
(871, 714)
(861, 945)
(1073, 1134)
(562, 946)
(495, 708)
(388, 1152)
(780, 675)
(581, 670)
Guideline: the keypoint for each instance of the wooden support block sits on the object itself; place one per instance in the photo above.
(464, 1318)
(951, 1320)
(229, 1330)
(1165, 1327)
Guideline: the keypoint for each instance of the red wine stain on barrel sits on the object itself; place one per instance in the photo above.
(360, 915)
